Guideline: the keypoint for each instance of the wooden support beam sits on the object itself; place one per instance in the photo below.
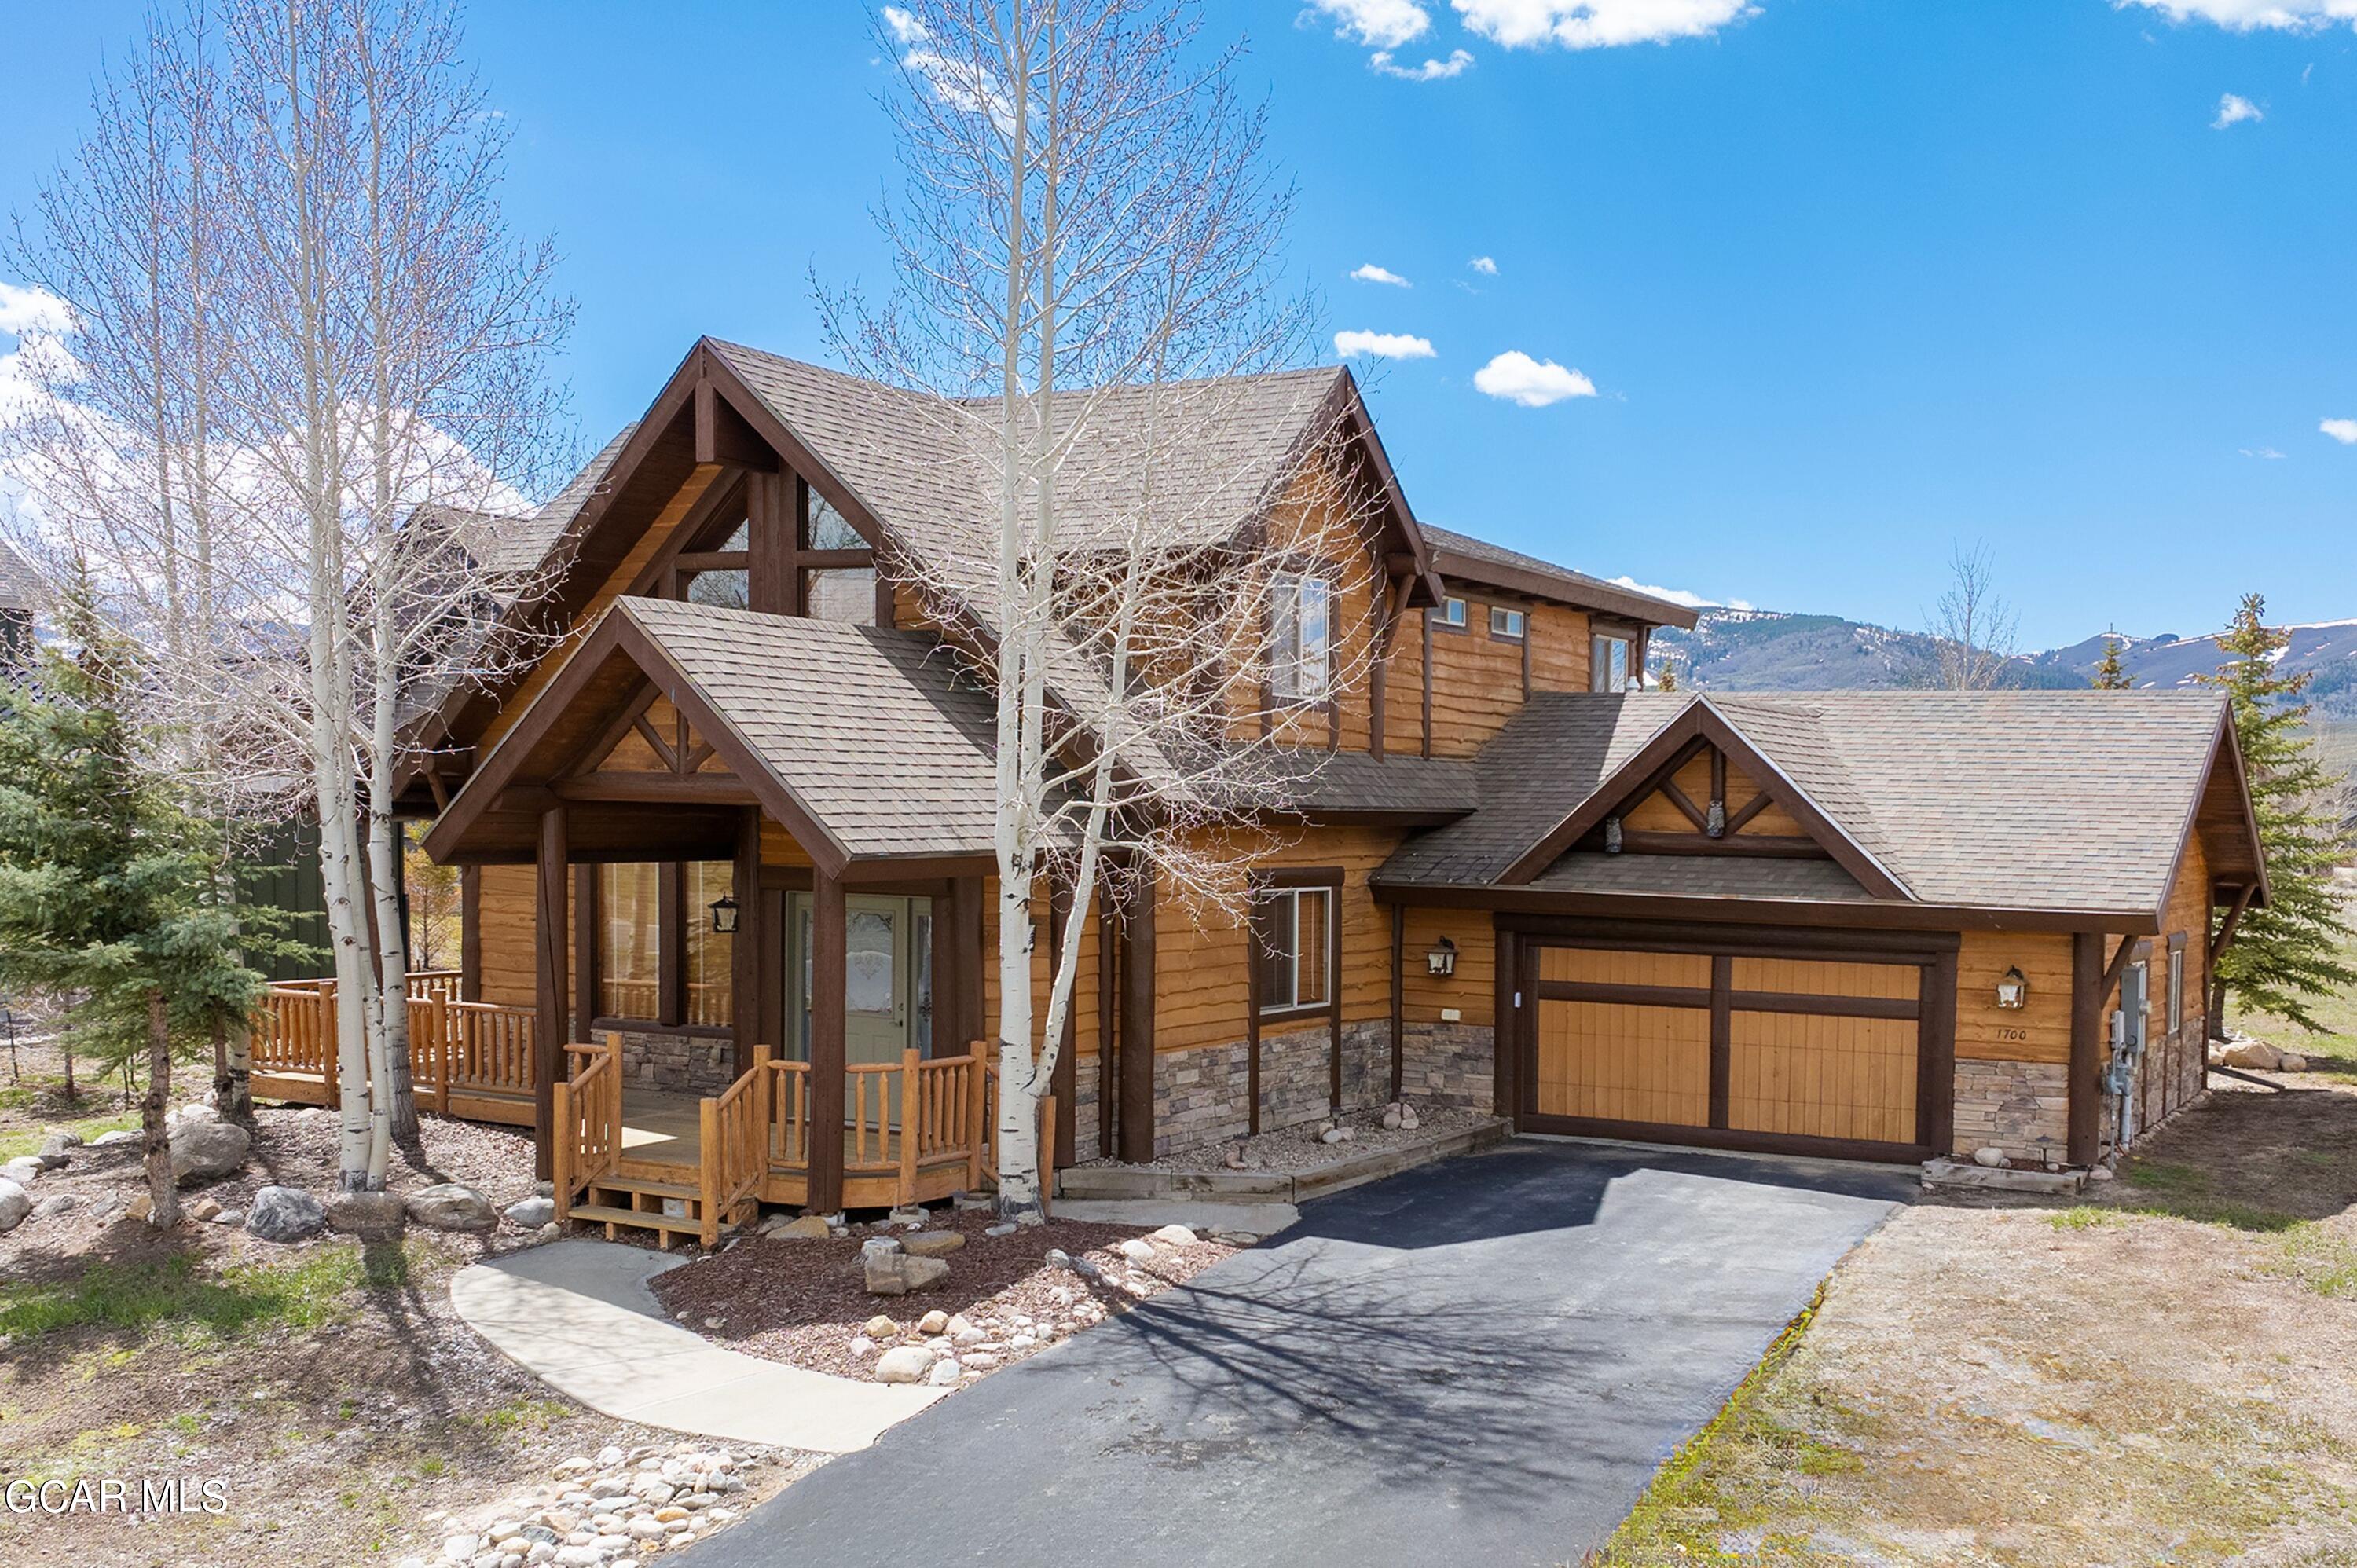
(1508, 1035)
(828, 959)
(470, 933)
(671, 973)
(1108, 984)
(965, 917)
(549, 988)
(585, 945)
(2225, 933)
(2087, 992)
(748, 946)
(1399, 1000)
(1137, 1021)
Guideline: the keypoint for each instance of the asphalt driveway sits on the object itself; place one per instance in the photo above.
(1477, 1362)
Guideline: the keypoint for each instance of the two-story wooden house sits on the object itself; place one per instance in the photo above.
(739, 815)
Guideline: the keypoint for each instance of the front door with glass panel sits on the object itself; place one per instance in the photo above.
(887, 991)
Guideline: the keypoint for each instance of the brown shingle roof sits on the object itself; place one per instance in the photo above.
(21, 588)
(871, 731)
(2071, 801)
(1462, 556)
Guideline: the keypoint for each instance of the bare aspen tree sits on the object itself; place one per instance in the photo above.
(375, 408)
(1086, 248)
(1973, 624)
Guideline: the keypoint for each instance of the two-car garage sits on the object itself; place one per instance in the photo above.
(1795, 1042)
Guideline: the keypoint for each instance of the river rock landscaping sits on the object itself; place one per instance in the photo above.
(610, 1510)
(805, 1299)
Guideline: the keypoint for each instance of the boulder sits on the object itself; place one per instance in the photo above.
(932, 1323)
(59, 1146)
(453, 1206)
(196, 1111)
(53, 1205)
(13, 1205)
(116, 1139)
(904, 1364)
(24, 1171)
(371, 1216)
(879, 1327)
(207, 1151)
(897, 1273)
(1407, 1118)
(1136, 1250)
(531, 1213)
(809, 1228)
(2291, 1061)
(284, 1214)
(1989, 1155)
(1176, 1235)
(932, 1243)
(945, 1371)
(2249, 1056)
(206, 1210)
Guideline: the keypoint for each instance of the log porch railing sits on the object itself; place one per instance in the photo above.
(472, 1058)
(588, 1120)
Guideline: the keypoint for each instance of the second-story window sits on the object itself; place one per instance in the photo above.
(1301, 628)
(1608, 668)
(1506, 623)
(1449, 612)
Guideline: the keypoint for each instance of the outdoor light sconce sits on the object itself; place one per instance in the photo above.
(2013, 989)
(724, 915)
(1442, 959)
(1613, 836)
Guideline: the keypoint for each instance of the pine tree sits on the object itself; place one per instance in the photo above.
(2287, 956)
(2110, 675)
(108, 888)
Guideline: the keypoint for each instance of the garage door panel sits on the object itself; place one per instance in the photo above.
(1825, 977)
(1805, 1047)
(1609, 1061)
(1822, 1076)
(1612, 966)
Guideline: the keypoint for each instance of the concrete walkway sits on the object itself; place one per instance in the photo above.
(578, 1315)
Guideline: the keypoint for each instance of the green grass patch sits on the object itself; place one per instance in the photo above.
(175, 1296)
(1696, 1499)
(2176, 1191)
(13, 1144)
(2082, 1217)
(2320, 1260)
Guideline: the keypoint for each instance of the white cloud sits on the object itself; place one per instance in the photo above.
(1378, 24)
(1374, 274)
(2232, 110)
(1603, 24)
(2250, 16)
(1483, 266)
(2266, 454)
(905, 28)
(1691, 601)
(1457, 63)
(24, 310)
(1516, 377)
(2342, 430)
(965, 85)
(1383, 344)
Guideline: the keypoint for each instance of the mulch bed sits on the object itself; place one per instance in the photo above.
(803, 1302)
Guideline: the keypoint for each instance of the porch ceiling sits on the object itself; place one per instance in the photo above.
(866, 744)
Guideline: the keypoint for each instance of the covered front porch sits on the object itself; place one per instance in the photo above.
(830, 783)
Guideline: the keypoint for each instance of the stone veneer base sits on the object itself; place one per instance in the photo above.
(1277, 1187)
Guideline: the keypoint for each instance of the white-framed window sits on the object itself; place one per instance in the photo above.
(1301, 628)
(1295, 935)
(2176, 989)
(1611, 663)
(1506, 622)
(1449, 612)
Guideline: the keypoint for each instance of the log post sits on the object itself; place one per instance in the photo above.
(1136, 1131)
(2086, 1088)
(908, 1108)
(826, 1053)
(560, 1165)
(549, 975)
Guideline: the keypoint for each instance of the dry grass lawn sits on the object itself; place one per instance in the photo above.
(2165, 1372)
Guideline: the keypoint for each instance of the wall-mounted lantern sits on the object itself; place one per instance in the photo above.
(724, 915)
(1613, 836)
(1441, 961)
(2013, 989)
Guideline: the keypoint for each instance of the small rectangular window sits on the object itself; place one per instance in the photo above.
(1451, 611)
(1295, 934)
(629, 941)
(2176, 989)
(1609, 663)
(1504, 622)
(1301, 638)
(846, 593)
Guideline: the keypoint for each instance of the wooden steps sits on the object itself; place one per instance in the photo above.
(620, 1202)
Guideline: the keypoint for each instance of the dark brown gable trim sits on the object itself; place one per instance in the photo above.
(1661, 758)
(1510, 902)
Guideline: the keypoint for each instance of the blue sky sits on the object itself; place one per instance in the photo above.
(1851, 279)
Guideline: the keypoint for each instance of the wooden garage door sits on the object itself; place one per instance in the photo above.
(1743, 1051)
